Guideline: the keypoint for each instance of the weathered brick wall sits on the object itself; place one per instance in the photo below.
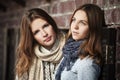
(61, 11)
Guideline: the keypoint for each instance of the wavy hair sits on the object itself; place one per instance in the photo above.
(27, 42)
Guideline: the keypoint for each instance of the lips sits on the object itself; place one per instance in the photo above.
(47, 39)
(75, 33)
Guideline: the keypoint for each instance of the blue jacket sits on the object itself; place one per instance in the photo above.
(84, 69)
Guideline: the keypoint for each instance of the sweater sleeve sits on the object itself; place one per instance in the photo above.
(88, 72)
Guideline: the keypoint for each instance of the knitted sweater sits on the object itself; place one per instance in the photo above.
(84, 69)
(45, 58)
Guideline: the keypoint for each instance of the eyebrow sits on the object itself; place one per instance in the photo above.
(34, 32)
(83, 21)
(80, 20)
(45, 24)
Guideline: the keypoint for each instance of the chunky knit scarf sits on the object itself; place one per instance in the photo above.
(36, 70)
(70, 52)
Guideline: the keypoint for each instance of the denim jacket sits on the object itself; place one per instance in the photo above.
(84, 69)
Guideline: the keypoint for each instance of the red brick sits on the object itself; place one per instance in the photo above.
(108, 16)
(81, 2)
(45, 8)
(112, 16)
(54, 8)
(116, 16)
(100, 3)
(114, 2)
(68, 6)
(68, 18)
(33, 3)
(60, 20)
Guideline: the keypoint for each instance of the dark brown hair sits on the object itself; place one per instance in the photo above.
(96, 21)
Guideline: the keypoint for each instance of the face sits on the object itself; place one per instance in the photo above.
(79, 25)
(43, 33)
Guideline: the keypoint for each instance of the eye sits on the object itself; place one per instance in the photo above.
(82, 22)
(46, 25)
(35, 32)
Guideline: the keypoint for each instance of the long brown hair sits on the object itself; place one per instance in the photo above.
(92, 45)
(27, 42)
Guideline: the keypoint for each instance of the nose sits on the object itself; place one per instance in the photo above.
(76, 25)
(44, 33)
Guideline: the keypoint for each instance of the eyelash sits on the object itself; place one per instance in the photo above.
(81, 22)
(46, 25)
(36, 32)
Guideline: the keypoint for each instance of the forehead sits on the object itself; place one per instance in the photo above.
(37, 23)
(80, 14)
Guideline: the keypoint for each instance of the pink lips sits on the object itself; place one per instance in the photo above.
(74, 33)
(48, 39)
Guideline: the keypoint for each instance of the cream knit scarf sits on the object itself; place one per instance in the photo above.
(36, 70)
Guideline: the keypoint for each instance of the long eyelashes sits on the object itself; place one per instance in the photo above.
(45, 25)
(35, 32)
(81, 22)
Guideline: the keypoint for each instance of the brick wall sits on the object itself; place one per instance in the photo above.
(61, 11)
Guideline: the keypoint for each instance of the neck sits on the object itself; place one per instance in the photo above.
(48, 47)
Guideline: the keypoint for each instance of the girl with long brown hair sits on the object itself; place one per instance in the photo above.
(82, 51)
(39, 49)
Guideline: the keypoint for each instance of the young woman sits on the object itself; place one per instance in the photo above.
(82, 51)
(40, 45)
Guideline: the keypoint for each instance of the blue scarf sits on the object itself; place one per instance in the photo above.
(71, 54)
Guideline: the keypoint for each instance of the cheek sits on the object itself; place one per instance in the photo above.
(38, 38)
(85, 32)
(51, 31)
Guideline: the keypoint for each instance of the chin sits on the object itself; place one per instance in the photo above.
(75, 38)
(51, 43)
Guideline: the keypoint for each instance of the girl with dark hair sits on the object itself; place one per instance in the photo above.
(82, 50)
(39, 49)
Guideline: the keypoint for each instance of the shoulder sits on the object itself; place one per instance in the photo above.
(86, 63)
(87, 67)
